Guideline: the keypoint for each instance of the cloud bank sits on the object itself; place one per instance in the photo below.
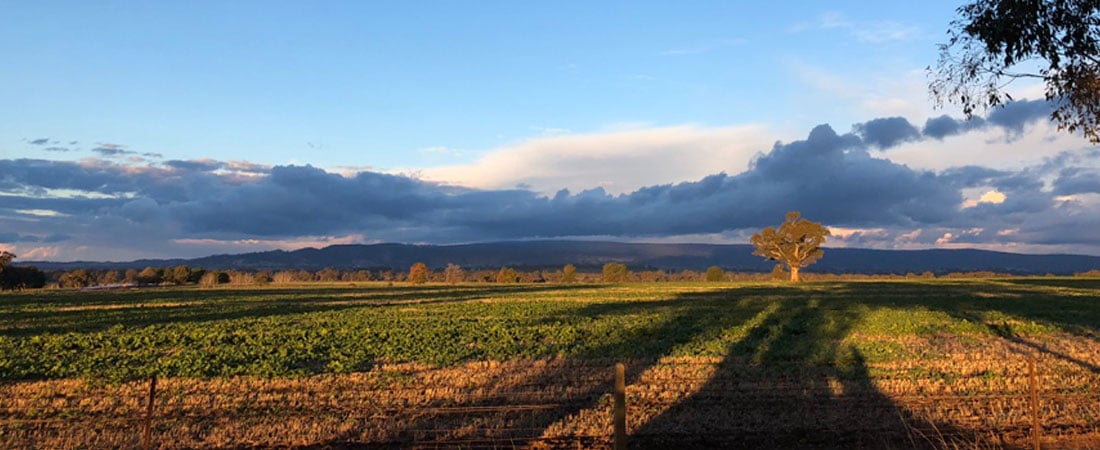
(854, 181)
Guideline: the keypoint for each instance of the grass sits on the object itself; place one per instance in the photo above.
(274, 332)
(936, 363)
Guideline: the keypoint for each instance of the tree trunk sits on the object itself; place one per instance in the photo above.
(794, 274)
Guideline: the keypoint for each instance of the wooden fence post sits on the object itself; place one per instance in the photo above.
(1036, 428)
(147, 427)
(620, 407)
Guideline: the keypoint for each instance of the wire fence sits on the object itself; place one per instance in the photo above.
(688, 402)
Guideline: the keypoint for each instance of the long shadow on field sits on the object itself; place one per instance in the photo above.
(785, 380)
(658, 328)
(96, 311)
(788, 383)
(1005, 308)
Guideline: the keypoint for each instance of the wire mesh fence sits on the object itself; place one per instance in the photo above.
(688, 402)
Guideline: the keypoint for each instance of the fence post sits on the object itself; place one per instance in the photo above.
(147, 427)
(620, 407)
(1036, 429)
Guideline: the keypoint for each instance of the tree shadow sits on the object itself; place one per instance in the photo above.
(663, 325)
(789, 383)
(785, 380)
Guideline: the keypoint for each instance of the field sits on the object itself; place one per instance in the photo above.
(929, 363)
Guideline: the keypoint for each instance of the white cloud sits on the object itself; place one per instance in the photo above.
(866, 31)
(989, 147)
(620, 160)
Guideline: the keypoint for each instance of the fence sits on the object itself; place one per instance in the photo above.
(689, 402)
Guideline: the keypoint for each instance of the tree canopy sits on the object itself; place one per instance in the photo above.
(994, 42)
(796, 243)
(5, 260)
(418, 273)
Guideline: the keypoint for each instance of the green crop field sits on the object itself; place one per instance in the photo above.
(191, 332)
(858, 363)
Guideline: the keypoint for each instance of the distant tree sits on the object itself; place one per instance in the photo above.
(22, 277)
(569, 274)
(778, 273)
(715, 273)
(77, 278)
(418, 273)
(149, 275)
(210, 279)
(652, 276)
(615, 273)
(327, 275)
(109, 277)
(5, 260)
(507, 275)
(796, 243)
(178, 275)
(454, 274)
(997, 41)
(131, 276)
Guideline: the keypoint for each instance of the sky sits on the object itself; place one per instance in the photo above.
(182, 129)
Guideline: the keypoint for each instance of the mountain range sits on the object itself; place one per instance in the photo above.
(591, 255)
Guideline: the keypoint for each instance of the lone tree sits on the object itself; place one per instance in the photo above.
(454, 274)
(994, 42)
(418, 273)
(796, 243)
(569, 273)
(615, 273)
(507, 275)
(5, 259)
(715, 273)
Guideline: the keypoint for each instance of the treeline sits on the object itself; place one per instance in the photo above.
(24, 277)
(21, 277)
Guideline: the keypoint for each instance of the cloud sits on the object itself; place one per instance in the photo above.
(112, 150)
(867, 31)
(739, 182)
(886, 132)
(12, 238)
(1076, 180)
(39, 141)
(1013, 116)
(619, 161)
(197, 165)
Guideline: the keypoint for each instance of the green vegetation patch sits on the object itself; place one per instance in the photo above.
(276, 332)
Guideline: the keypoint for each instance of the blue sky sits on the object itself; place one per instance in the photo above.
(380, 83)
(139, 116)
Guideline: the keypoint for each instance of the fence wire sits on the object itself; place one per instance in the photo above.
(552, 404)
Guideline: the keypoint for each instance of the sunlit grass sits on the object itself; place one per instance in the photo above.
(339, 328)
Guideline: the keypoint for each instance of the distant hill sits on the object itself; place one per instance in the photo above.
(584, 254)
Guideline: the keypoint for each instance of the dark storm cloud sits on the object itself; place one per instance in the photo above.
(944, 126)
(1077, 181)
(1012, 117)
(829, 177)
(886, 132)
(15, 238)
(206, 165)
(971, 176)
(110, 151)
